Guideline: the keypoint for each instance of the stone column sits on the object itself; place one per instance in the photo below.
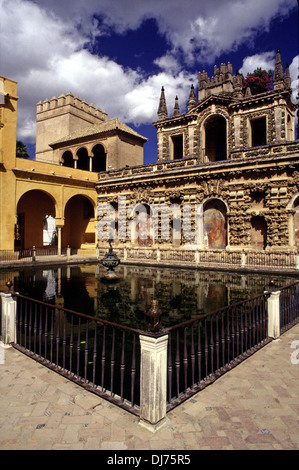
(274, 315)
(153, 381)
(8, 319)
(59, 241)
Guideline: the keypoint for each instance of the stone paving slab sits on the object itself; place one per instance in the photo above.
(253, 407)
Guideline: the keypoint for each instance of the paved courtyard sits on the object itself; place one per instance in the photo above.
(253, 407)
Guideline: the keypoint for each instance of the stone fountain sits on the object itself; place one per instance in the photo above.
(110, 261)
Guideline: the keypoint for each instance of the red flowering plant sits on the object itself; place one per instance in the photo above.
(259, 81)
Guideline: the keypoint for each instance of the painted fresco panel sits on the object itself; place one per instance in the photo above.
(296, 226)
(215, 228)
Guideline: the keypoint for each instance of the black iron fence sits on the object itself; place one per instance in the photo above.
(289, 306)
(202, 349)
(99, 355)
(105, 357)
(32, 253)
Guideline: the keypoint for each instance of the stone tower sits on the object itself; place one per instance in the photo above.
(59, 117)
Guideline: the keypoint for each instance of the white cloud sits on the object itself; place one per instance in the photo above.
(265, 61)
(42, 47)
(294, 73)
(201, 30)
(143, 100)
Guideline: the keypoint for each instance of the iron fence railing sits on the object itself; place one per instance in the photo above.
(30, 253)
(105, 357)
(289, 306)
(99, 355)
(202, 349)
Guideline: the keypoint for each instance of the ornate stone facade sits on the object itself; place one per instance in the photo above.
(225, 119)
(231, 160)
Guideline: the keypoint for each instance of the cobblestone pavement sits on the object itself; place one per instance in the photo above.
(253, 407)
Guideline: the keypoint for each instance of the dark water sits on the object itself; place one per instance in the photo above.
(181, 293)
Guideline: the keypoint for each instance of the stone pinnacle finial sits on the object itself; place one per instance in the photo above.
(176, 110)
(278, 71)
(162, 110)
(192, 98)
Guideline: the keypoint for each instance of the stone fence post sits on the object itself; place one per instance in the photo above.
(8, 319)
(274, 315)
(153, 381)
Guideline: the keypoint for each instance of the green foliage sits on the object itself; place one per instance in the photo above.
(259, 81)
(21, 150)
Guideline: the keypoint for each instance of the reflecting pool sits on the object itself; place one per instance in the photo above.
(181, 293)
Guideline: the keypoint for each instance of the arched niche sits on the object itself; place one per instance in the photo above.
(140, 225)
(296, 221)
(258, 232)
(215, 224)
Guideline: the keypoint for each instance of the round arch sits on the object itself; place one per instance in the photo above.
(82, 159)
(215, 137)
(67, 159)
(99, 159)
(215, 233)
(293, 220)
(36, 211)
(79, 222)
(140, 227)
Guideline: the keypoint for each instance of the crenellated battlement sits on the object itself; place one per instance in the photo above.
(223, 81)
(59, 117)
(220, 75)
(64, 103)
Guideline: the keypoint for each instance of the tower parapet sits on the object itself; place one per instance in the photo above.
(58, 117)
(221, 82)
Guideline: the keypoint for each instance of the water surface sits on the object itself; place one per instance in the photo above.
(181, 293)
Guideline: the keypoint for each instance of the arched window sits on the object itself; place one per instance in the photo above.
(215, 138)
(215, 224)
(67, 159)
(99, 160)
(83, 159)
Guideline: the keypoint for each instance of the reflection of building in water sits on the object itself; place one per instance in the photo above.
(181, 293)
(51, 287)
(211, 289)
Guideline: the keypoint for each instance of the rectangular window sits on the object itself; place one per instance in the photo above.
(177, 146)
(258, 132)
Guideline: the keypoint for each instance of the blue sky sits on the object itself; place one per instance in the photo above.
(118, 54)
